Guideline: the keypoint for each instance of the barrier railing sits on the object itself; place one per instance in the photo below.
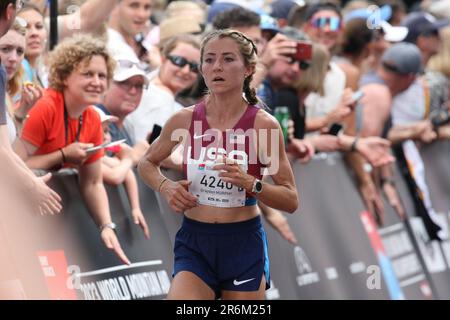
(341, 254)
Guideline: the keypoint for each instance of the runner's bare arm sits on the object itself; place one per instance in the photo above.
(283, 194)
(171, 136)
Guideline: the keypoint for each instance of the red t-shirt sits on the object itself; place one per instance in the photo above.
(45, 126)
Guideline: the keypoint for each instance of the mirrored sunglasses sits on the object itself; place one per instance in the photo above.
(334, 23)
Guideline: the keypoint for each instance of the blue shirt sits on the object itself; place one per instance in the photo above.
(116, 132)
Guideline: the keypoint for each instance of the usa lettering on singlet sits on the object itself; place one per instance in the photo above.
(208, 147)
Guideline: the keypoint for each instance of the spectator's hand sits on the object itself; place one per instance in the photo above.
(139, 219)
(375, 150)
(342, 110)
(279, 222)
(279, 47)
(291, 129)
(126, 152)
(347, 99)
(325, 142)
(29, 95)
(301, 149)
(111, 242)
(394, 200)
(444, 132)
(76, 152)
(178, 196)
(337, 115)
(47, 200)
(139, 149)
(372, 201)
(425, 132)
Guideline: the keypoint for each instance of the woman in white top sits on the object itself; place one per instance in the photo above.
(180, 57)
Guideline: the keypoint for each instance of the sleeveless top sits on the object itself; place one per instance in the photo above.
(206, 146)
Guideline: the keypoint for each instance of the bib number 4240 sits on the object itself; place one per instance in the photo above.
(213, 182)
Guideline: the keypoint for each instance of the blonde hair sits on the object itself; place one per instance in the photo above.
(441, 61)
(312, 79)
(15, 83)
(248, 51)
(68, 55)
(170, 43)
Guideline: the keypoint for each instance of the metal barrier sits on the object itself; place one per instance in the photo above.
(341, 253)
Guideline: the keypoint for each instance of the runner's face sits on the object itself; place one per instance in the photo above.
(223, 66)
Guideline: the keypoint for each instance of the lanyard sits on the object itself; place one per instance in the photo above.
(66, 125)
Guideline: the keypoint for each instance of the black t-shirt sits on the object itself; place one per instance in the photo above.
(2, 95)
(289, 98)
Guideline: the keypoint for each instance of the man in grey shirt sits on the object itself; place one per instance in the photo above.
(41, 196)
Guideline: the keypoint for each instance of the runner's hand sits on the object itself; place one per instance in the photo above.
(233, 173)
(178, 196)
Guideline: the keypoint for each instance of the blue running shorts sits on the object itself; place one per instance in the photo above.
(226, 256)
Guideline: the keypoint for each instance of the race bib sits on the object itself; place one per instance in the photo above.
(210, 189)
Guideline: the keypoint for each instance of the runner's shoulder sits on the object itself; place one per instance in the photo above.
(265, 120)
(181, 119)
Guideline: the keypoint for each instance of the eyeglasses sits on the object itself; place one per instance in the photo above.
(127, 64)
(181, 62)
(334, 23)
(127, 86)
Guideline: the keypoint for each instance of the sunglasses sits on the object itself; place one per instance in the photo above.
(334, 23)
(303, 65)
(127, 64)
(181, 62)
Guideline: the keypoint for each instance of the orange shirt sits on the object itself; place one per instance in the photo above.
(45, 126)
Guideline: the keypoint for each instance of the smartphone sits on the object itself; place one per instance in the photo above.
(304, 51)
(156, 131)
(335, 128)
(357, 96)
(105, 145)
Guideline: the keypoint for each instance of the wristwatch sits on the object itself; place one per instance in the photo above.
(110, 225)
(257, 186)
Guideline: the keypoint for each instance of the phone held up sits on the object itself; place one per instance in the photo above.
(304, 51)
(156, 131)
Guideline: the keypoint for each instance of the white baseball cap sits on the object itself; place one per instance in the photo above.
(393, 33)
(129, 66)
